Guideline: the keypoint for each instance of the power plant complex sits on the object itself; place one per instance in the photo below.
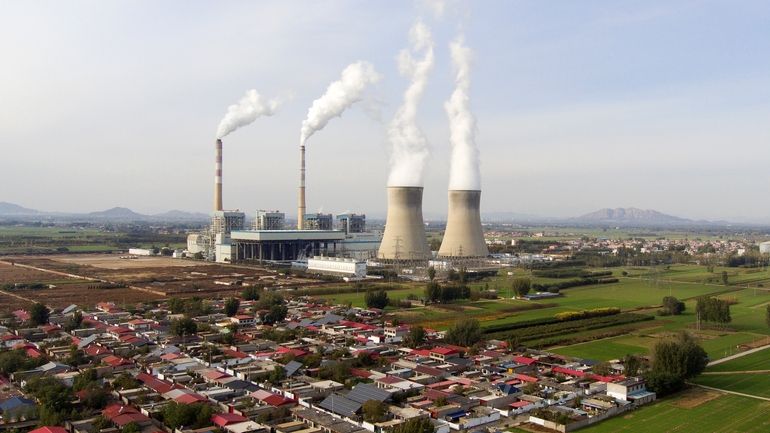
(321, 240)
(319, 236)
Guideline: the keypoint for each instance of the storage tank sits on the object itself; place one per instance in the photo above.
(464, 236)
(404, 237)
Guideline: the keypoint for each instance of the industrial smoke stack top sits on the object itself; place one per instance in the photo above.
(464, 236)
(218, 177)
(404, 237)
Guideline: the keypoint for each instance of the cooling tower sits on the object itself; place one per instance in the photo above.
(463, 236)
(301, 195)
(404, 237)
(218, 177)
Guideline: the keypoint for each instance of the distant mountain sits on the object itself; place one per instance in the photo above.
(11, 209)
(180, 215)
(117, 213)
(631, 215)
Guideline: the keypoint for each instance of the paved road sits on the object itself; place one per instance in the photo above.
(738, 355)
(730, 392)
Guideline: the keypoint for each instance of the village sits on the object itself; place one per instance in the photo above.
(320, 368)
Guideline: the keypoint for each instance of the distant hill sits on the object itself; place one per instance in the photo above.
(631, 215)
(14, 212)
(180, 215)
(117, 213)
(14, 209)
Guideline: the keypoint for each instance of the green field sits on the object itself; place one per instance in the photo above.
(754, 361)
(725, 414)
(753, 384)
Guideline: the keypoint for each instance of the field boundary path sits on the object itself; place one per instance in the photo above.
(719, 373)
(729, 392)
(738, 355)
(17, 296)
(80, 277)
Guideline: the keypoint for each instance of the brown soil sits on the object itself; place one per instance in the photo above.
(695, 397)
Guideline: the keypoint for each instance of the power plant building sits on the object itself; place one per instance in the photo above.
(283, 245)
(269, 220)
(337, 266)
(318, 221)
(351, 223)
(764, 247)
(226, 221)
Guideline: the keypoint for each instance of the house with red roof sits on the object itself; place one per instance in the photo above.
(440, 353)
(49, 429)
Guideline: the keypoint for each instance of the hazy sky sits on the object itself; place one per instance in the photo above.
(580, 104)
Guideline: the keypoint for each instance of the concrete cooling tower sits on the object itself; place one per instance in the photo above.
(463, 236)
(404, 237)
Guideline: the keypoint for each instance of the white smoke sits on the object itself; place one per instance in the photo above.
(246, 111)
(340, 95)
(409, 146)
(464, 172)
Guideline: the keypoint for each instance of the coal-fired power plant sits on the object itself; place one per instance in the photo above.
(464, 236)
(218, 177)
(404, 237)
(301, 195)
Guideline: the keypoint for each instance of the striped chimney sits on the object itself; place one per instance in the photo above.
(218, 177)
(301, 196)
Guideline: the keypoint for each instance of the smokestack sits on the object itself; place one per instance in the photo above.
(301, 197)
(404, 237)
(218, 177)
(463, 236)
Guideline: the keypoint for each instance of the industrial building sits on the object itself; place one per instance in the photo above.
(226, 221)
(269, 220)
(337, 266)
(351, 223)
(283, 245)
(764, 247)
(318, 221)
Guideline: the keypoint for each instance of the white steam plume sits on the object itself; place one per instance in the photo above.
(464, 172)
(246, 111)
(410, 148)
(340, 95)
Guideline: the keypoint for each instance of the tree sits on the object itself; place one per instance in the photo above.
(94, 397)
(376, 298)
(674, 361)
(38, 314)
(84, 379)
(632, 365)
(231, 306)
(433, 291)
(724, 278)
(125, 381)
(275, 314)
(415, 337)
(192, 416)
(672, 306)
(521, 286)
(431, 273)
(250, 293)
(466, 332)
(713, 310)
(184, 326)
(17, 360)
(131, 427)
(74, 322)
(602, 368)
(374, 411)
(415, 425)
